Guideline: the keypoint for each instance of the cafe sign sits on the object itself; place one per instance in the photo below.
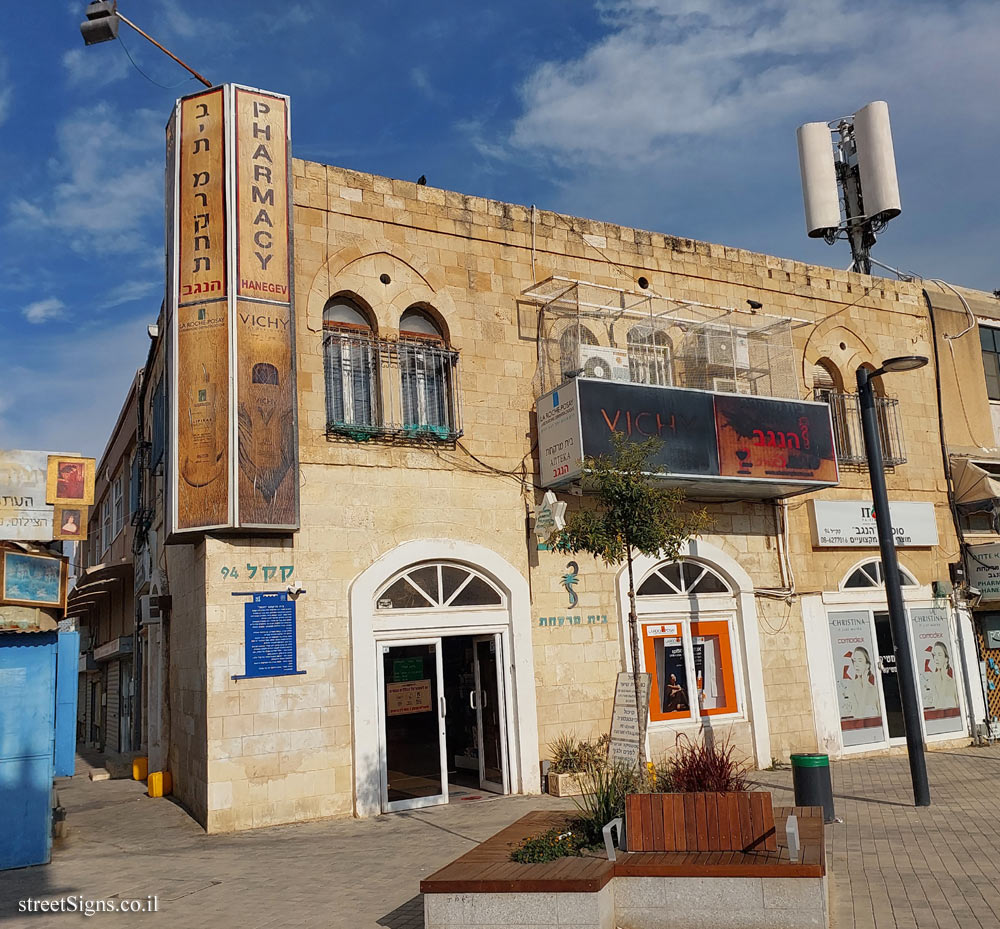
(851, 524)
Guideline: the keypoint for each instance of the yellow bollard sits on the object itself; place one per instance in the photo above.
(158, 784)
(140, 768)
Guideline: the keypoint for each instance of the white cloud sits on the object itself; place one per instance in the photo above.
(108, 180)
(43, 310)
(85, 378)
(95, 67)
(130, 291)
(669, 71)
(422, 82)
(6, 91)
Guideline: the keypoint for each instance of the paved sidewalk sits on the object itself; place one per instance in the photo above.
(893, 867)
(896, 867)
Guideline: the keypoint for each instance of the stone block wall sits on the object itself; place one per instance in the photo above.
(280, 750)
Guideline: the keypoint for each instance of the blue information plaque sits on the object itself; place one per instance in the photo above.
(269, 620)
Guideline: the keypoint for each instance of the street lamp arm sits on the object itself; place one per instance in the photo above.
(166, 51)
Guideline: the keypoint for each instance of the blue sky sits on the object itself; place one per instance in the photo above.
(672, 115)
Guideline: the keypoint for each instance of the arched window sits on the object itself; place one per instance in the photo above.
(570, 356)
(438, 586)
(426, 376)
(828, 388)
(682, 577)
(688, 641)
(349, 365)
(650, 356)
(869, 575)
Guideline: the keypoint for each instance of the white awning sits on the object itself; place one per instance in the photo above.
(972, 483)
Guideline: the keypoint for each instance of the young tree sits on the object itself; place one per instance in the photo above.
(632, 516)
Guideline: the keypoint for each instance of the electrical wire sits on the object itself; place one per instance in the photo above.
(145, 75)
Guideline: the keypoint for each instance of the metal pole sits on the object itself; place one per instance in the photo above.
(890, 571)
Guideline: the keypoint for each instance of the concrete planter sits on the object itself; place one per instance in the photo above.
(565, 785)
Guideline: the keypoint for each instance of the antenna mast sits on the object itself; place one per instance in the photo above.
(849, 180)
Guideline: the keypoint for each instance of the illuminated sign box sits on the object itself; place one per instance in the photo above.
(715, 445)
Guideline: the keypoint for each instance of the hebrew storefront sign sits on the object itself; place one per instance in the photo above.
(232, 351)
(851, 524)
(983, 565)
(31, 482)
(713, 444)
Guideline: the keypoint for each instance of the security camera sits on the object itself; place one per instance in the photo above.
(294, 590)
(973, 595)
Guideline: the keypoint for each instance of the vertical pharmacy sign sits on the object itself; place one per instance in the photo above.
(231, 321)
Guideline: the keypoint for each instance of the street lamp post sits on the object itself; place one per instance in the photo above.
(890, 572)
(101, 25)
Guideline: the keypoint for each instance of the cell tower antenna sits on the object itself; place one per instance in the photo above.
(849, 184)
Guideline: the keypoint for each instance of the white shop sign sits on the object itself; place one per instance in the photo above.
(560, 446)
(983, 563)
(851, 523)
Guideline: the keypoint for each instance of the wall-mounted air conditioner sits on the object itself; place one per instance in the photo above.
(724, 347)
(604, 362)
(730, 385)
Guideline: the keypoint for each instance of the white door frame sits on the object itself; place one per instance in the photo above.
(504, 785)
(815, 614)
(518, 672)
(750, 673)
(416, 802)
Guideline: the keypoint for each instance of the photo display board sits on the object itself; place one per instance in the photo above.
(855, 670)
(232, 379)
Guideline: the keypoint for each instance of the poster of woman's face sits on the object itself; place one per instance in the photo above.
(70, 522)
(70, 481)
(32, 580)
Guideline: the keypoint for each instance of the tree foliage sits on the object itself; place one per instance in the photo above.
(632, 515)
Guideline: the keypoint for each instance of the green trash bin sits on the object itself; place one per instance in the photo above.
(812, 784)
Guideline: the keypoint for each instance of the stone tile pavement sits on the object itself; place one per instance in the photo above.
(893, 867)
(896, 867)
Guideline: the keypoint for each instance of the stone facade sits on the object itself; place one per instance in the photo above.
(248, 753)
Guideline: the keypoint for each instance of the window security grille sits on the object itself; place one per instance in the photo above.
(848, 435)
(397, 389)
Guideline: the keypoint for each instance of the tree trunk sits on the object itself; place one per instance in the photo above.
(633, 629)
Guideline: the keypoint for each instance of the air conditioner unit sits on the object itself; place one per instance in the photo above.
(730, 385)
(724, 347)
(604, 362)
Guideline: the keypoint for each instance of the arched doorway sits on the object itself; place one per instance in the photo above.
(443, 679)
(698, 639)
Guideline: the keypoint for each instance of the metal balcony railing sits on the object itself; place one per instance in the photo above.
(402, 389)
(848, 435)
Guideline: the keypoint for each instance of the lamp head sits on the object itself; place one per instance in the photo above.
(101, 24)
(904, 363)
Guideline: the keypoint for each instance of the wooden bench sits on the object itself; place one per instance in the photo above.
(484, 889)
(700, 822)
(488, 869)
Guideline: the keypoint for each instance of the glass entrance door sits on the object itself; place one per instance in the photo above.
(890, 677)
(413, 725)
(489, 714)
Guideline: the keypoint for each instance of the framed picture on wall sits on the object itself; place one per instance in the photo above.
(32, 580)
(70, 480)
(70, 522)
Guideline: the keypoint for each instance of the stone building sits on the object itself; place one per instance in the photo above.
(103, 599)
(437, 647)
